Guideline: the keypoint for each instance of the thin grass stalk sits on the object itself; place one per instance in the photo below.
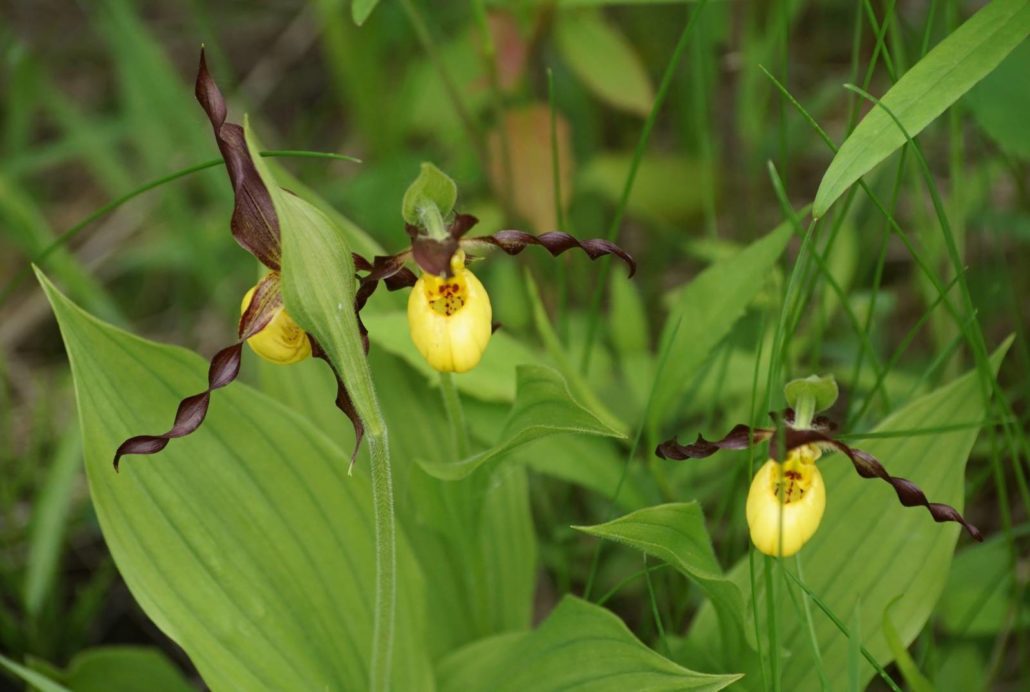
(627, 188)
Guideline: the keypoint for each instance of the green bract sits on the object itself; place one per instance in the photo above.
(432, 186)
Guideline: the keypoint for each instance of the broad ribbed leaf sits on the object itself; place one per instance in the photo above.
(676, 533)
(543, 407)
(869, 549)
(979, 595)
(246, 543)
(947, 72)
(705, 311)
(579, 646)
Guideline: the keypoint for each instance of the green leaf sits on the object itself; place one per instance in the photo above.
(491, 380)
(49, 517)
(917, 682)
(676, 533)
(124, 669)
(868, 547)
(604, 61)
(31, 677)
(432, 186)
(979, 597)
(543, 406)
(628, 323)
(705, 311)
(579, 646)
(361, 9)
(947, 72)
(246, 542)
(318, 287)
(1001, 101)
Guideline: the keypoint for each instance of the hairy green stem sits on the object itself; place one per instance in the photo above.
(385, 611)
(455, 415)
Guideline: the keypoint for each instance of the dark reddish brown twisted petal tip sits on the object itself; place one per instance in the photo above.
(266, 300)
(254, 223)
(225, 366)
(868, 466)
(740, 437)
(343, 400)
(555, 242)
(461, 225)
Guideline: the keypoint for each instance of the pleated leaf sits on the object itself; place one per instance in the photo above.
(543, 406)
(676, 533)
(246, 543)
(579, 646)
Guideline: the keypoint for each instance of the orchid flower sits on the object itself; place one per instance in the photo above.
(786, 500)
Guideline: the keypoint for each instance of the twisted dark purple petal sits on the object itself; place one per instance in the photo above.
(461, 225)
(224, 368)
(343, 400)
(868, 466)
(388, 269)
(555, 242)
(740, 437)
(254, 223)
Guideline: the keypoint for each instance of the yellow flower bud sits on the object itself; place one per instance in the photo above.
(792, 492)
(282, 341)
(450, 319)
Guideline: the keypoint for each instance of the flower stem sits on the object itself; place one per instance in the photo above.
(455, 415)
(386, 562)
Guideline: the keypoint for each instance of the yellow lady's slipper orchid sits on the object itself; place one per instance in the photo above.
(786, 502)
(450, 319)
(282, 341)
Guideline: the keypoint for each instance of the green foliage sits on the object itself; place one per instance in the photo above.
(605, 61)
(868, 549)
(49, 521)
(543, 407)
(246, 543)
(982, 596)
(704, 312)
(676, 533)
(947, 72)
(557, 656)
(999, 103)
